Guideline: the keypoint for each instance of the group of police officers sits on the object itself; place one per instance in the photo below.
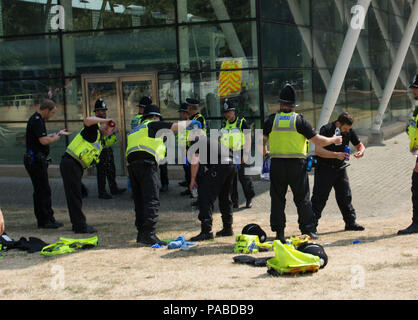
(212, 168)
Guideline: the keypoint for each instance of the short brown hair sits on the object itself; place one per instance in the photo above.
(345, 118)
(47, 104)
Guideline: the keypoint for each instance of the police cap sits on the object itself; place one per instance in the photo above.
(144, 102)
(228, 106)
(414, 83)
(288, 96)
(99, 105)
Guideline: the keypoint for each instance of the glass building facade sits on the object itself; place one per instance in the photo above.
(245, 50)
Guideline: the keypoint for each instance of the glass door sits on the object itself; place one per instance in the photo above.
(121, 93)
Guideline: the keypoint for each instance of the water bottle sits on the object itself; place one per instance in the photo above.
(338, 133)
(347, 150)
(194, 193)
(265, 170)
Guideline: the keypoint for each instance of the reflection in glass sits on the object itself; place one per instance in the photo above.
(30, 57)
(150, 49)
(20, 99)
(169, 95)
(208, 10)
(204, 47)
(279, 10)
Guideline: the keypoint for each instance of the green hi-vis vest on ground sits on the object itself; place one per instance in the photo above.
(196, 116)
(86, 153)
(136, 121)
(139, 140)
(413, 132)
(232, 136)
(284, 140)
(109, 140)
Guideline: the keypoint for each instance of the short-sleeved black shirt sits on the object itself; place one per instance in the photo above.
(36, 129)
(302, 126)
(153, 128)
(328, 130)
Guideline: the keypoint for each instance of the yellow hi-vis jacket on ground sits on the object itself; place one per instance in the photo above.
(86, 153)
(413, 132)
(139, 140)
(284, 140)
(232, 135)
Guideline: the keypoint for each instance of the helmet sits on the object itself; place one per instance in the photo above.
(316, 250)
(151, 109)
(288, 96)
(144, 102)
(99, 105)
(414, 83)
(228, 106)
(255, 229)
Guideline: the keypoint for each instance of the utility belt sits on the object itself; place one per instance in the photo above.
(37, 157)
(333, 166)
(144, 162)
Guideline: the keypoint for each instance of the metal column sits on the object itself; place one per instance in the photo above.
(396, 68)
(341, 68)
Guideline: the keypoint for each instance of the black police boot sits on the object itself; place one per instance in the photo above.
(226, 231)
(84, 229)
(50, 225)
(149, 238)
(353, 227)
(117, 191)
(280, 236)
(312, 234)
(105, 196)
(205, 234)
(249, 203)
(235, 205)
(413, 228)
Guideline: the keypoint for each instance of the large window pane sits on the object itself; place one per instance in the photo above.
(145, 50)
(274, 81)
(205, 47)
(279, 10)
(204, 10)
(169, 95)
(30, 57)
(99, 14)
(326, 15)
(20, 99)
(284, 46)
(210, 88)
(25, 17)
(329, 46)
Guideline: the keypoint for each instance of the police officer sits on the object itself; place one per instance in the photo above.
(183, 115)
(83, 152)
(136, 120)
(194, 114)
(413, 147)
(144, 151)
(234, 138)
(287, 134)
(36, 162)
(213, 176)
(331, 171)
(106, 166)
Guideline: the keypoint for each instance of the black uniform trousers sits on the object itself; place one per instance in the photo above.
(164, 174)
(146, 193)
(71, 173)
(37, 168)
(214, 182)
(325, 179)
(106, 170)
(246, 183)
(414, 190)
(284, 173)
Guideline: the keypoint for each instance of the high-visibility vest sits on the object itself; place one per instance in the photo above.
(136, 120)
(196, 116)
(86, 153)
(284, 140)
(413, 132)
(139, 140)
(232, 135)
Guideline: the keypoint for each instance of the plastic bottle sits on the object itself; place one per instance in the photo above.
(338, 133)
(194, 193)
(347, 150)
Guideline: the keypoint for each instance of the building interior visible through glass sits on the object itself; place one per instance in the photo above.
(246, 50)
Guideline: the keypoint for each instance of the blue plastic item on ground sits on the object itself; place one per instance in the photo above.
(180, 243)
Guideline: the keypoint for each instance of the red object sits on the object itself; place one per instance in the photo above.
(112, 123)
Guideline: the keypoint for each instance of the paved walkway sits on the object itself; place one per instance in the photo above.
(380, 184)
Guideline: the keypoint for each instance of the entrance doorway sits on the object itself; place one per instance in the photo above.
(121, 92)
